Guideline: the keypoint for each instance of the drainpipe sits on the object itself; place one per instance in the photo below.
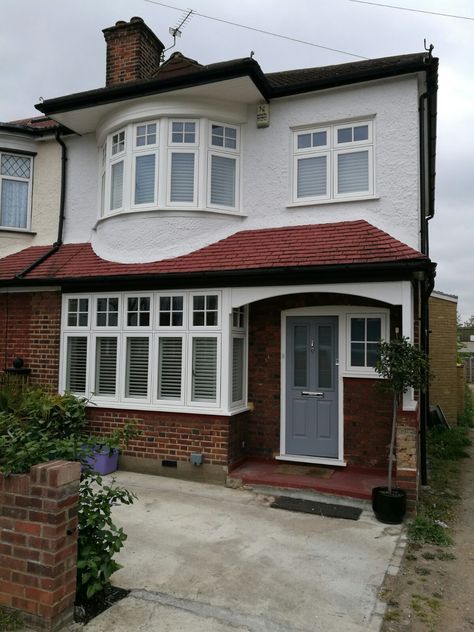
(55, 247)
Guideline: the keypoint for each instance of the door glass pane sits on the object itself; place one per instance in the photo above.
(324, 357)
(300, 378)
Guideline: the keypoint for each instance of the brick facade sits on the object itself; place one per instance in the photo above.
(38, 543)
(443, 354)
(30, 328)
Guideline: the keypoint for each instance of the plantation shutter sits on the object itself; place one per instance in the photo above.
(145, 179)
(182, 177)
(169, 368)
(312, 176)
(223, 180)
(136, 375)
(237, 369)
(106, 366)
(116, 187)
(76, 364)
(353, 172)
(204, 368)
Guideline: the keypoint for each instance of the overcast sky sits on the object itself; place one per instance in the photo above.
(50, 48)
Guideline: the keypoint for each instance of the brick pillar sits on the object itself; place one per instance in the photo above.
(38, 543)
(407, 455)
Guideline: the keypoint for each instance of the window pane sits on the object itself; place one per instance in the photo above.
(300, 355)
(372, 353)
(211, 319)
(177, 319)
(312, 176)
(344, 135)
(358, 329)
(204, 370)
(223, 181)
(145, 179)
(169, 368)
(324, 356)
(165, 319)
(304, 141)
(76, 364)
(106, 366)
(101, 320)
(136, 378)
(182, 177)
(237, 369)
(357, 354)
(198, 319)
(211, 301)
(14, 203)
(319, 139)
(15, 166)
(177, 302)
(116, 188)
(165, 303)
(198, 302)
(353, 172)
(374, 329)
(361, 132)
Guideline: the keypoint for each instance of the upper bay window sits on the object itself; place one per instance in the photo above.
(333, 162)
(170, 163)
(16, 172)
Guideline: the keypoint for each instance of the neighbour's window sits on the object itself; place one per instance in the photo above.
(15, 190)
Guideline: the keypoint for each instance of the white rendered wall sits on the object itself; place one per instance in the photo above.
(265, 176)
(45, 198)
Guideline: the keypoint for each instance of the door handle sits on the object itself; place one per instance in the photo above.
(311, 394)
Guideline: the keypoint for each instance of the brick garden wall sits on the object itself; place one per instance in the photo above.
(30, 328)
(38, 543)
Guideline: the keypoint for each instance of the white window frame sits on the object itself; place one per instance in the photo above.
(66, 326)
(79, 333)
(155, 368)
(332, 150)
(92, 362)
(193, 327)
(225, 152)
(204, 334)
(95, 312)
(137, 328)
(29, 181)
(157, 326)
(123, 363)
(150, 149)
(385, 335)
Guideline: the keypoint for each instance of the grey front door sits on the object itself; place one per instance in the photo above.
(311, 386)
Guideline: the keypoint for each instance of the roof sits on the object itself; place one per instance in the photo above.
(339, 244)
(34, 126)
(181, 72)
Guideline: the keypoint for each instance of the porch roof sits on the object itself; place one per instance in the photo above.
(342, 244)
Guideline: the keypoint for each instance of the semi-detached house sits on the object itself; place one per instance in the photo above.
(233, 246)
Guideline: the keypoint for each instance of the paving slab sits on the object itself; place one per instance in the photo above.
(205, 557)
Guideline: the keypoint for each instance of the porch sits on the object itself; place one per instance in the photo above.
(351, 481)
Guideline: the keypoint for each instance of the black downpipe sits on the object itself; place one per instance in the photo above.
(55, 247)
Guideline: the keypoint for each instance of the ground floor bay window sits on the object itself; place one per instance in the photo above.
(164, 351)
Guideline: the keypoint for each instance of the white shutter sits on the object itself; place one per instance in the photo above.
(353, 172)
(145, 179)
(237, 369)
(204, 369)
(106, 366)
(170, 368)
(312, 176)
(136, 375)
(116, 187)
(76, 364)
(223, 180)
(182, 177)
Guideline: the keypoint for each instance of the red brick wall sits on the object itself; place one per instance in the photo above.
(30, 328)
(38, 542)
(170, 436)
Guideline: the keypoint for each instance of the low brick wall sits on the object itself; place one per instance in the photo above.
(38, 543)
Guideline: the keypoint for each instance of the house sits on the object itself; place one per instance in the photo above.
(30, 176)
(234, 246)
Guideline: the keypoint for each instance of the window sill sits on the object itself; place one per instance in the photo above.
(363, 374)
(170, 212)
(192, 410)
(364, 198)
(17, 231)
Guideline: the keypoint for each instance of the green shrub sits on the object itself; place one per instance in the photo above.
(448, 444)
(427, 531)
(466, 418)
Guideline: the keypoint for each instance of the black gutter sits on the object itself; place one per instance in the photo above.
(245, 67)
(55, 247)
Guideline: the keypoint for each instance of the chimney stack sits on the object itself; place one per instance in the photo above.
(133, 52)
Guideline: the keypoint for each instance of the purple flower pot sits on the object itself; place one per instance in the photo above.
(104, 460)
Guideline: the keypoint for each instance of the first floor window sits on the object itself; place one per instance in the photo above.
(182, 177)
(15, 182)
(116, 187)
(365, 336)
(223, 180)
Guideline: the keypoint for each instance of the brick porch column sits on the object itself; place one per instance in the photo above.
(407, 455)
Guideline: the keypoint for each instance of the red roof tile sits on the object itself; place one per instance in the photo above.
(344, 243)
(37, 122)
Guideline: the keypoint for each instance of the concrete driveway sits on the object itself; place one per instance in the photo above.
(205, 558)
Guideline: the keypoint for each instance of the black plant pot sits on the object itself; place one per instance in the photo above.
(389, 507)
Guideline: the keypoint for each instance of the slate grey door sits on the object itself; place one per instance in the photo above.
(311, 386)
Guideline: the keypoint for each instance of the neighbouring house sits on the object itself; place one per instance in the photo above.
(466, 342)
(447, 384)
(234, 246)
(30, 177)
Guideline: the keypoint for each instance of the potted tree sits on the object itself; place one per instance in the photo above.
(403, 366)
(102, 453)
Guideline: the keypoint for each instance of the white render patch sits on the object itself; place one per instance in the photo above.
(266, 174)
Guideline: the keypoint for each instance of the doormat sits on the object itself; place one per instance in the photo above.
(328, 510)
(305, 470)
